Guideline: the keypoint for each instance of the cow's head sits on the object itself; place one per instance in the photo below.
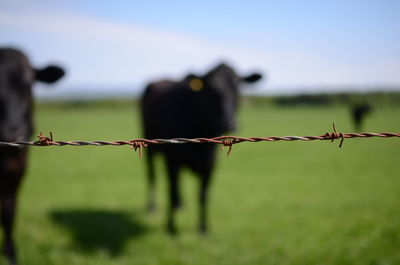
(16, 80)
(220, 90)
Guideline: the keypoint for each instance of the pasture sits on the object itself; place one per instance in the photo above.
(270, 203)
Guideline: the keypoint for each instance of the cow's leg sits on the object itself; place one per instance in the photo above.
(357, 122)
(12, 169)
(174, 197)
(151, 205)
(205, 174)
(8, 208)
(203, 197)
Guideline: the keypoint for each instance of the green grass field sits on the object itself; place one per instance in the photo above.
(271, 203)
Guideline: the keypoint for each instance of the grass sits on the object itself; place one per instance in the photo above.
(271, 203)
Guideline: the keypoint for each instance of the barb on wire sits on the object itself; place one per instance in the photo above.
(43, 140)
(228, 143)
(138, 144)
(225, 141)
(335, 135)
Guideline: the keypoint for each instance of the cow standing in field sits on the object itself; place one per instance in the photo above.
(16, 124)
(358, 113)
(194, 107)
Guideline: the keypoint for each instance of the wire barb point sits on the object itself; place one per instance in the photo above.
(137, 144)
(334, 135)
(228, 143)
(44, 140)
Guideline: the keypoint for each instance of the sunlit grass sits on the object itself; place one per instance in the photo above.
(271, 203)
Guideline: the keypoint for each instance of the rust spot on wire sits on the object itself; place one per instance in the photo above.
(138, 144)
(44, 140)
(335, 135)
(228, 143)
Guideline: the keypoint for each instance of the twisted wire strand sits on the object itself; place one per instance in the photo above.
(141, 143)
(217, 140)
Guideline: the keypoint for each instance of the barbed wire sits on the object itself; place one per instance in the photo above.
(225, 141)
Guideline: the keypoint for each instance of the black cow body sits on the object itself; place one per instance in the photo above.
(358, 113)
(16, 79)
(193, 107)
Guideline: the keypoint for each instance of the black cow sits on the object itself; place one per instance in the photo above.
(16, 79)
(359, 112)
(194, 107)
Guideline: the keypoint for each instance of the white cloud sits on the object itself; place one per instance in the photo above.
(102, 52)
(162, 49)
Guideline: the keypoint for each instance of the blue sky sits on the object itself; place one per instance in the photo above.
(301, 45)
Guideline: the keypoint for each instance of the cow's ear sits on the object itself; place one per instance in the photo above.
(49, 74)
(252, 78)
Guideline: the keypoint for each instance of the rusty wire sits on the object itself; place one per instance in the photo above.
(225, 141)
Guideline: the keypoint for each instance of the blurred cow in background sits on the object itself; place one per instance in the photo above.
(358, 113)
(16, 79)
(193, 107)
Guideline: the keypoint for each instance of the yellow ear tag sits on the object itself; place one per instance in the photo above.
(196, 84)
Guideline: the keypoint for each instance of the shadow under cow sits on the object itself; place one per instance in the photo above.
(100, 229)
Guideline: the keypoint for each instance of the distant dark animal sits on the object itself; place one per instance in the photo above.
(193, 107)
(16, 79)
(358, 113)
